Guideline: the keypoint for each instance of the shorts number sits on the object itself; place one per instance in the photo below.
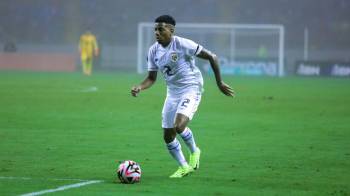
(185, 102)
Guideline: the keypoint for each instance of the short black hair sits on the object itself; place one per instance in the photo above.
(166, 19)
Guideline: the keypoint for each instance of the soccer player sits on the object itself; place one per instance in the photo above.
(88, 49)
(174, 56)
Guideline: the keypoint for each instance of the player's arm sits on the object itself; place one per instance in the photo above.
(214, 63)
(147, 82)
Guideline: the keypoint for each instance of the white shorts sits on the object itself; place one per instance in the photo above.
(185, 104)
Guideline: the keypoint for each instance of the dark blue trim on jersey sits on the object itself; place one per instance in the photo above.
(196, 50)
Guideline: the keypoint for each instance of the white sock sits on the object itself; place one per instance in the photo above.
(174, 148)
(188, 138)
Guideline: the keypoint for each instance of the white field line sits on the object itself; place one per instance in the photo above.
(53, 179)
(62, 188)
(90, 89)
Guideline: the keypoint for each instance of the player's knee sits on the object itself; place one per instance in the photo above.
(179, 127)
(180, 123)
(169, 135)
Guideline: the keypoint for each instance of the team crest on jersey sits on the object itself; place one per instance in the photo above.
(174, 57)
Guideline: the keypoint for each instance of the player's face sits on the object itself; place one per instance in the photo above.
(163, 33)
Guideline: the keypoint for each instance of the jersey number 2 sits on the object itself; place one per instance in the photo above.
(167, 70)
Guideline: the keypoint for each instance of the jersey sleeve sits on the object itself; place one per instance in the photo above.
(191, 47)
(151, 66)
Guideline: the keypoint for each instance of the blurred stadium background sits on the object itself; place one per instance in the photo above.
(316, 31)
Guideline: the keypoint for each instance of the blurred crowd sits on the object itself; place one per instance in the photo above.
(115, 21)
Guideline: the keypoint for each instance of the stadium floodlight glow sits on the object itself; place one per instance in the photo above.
(231, 41)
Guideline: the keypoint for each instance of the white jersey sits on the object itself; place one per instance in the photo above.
(177, 64)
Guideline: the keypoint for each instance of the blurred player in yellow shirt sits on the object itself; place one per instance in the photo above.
(88, 49)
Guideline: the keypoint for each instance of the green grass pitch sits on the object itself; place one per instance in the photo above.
(278, 136)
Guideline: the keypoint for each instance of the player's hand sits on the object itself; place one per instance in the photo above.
(135, 90)
(226, 89)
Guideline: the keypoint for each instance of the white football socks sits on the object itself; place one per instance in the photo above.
(188, 138)
(174, 148)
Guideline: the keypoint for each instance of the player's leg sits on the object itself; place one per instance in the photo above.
(186, 109)
(83, 65)
(173, 145)
(185, 132)
(83, 58)
(187, 136)
(174, 148)
(89, 66)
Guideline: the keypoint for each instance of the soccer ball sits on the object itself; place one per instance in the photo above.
(129, 172)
